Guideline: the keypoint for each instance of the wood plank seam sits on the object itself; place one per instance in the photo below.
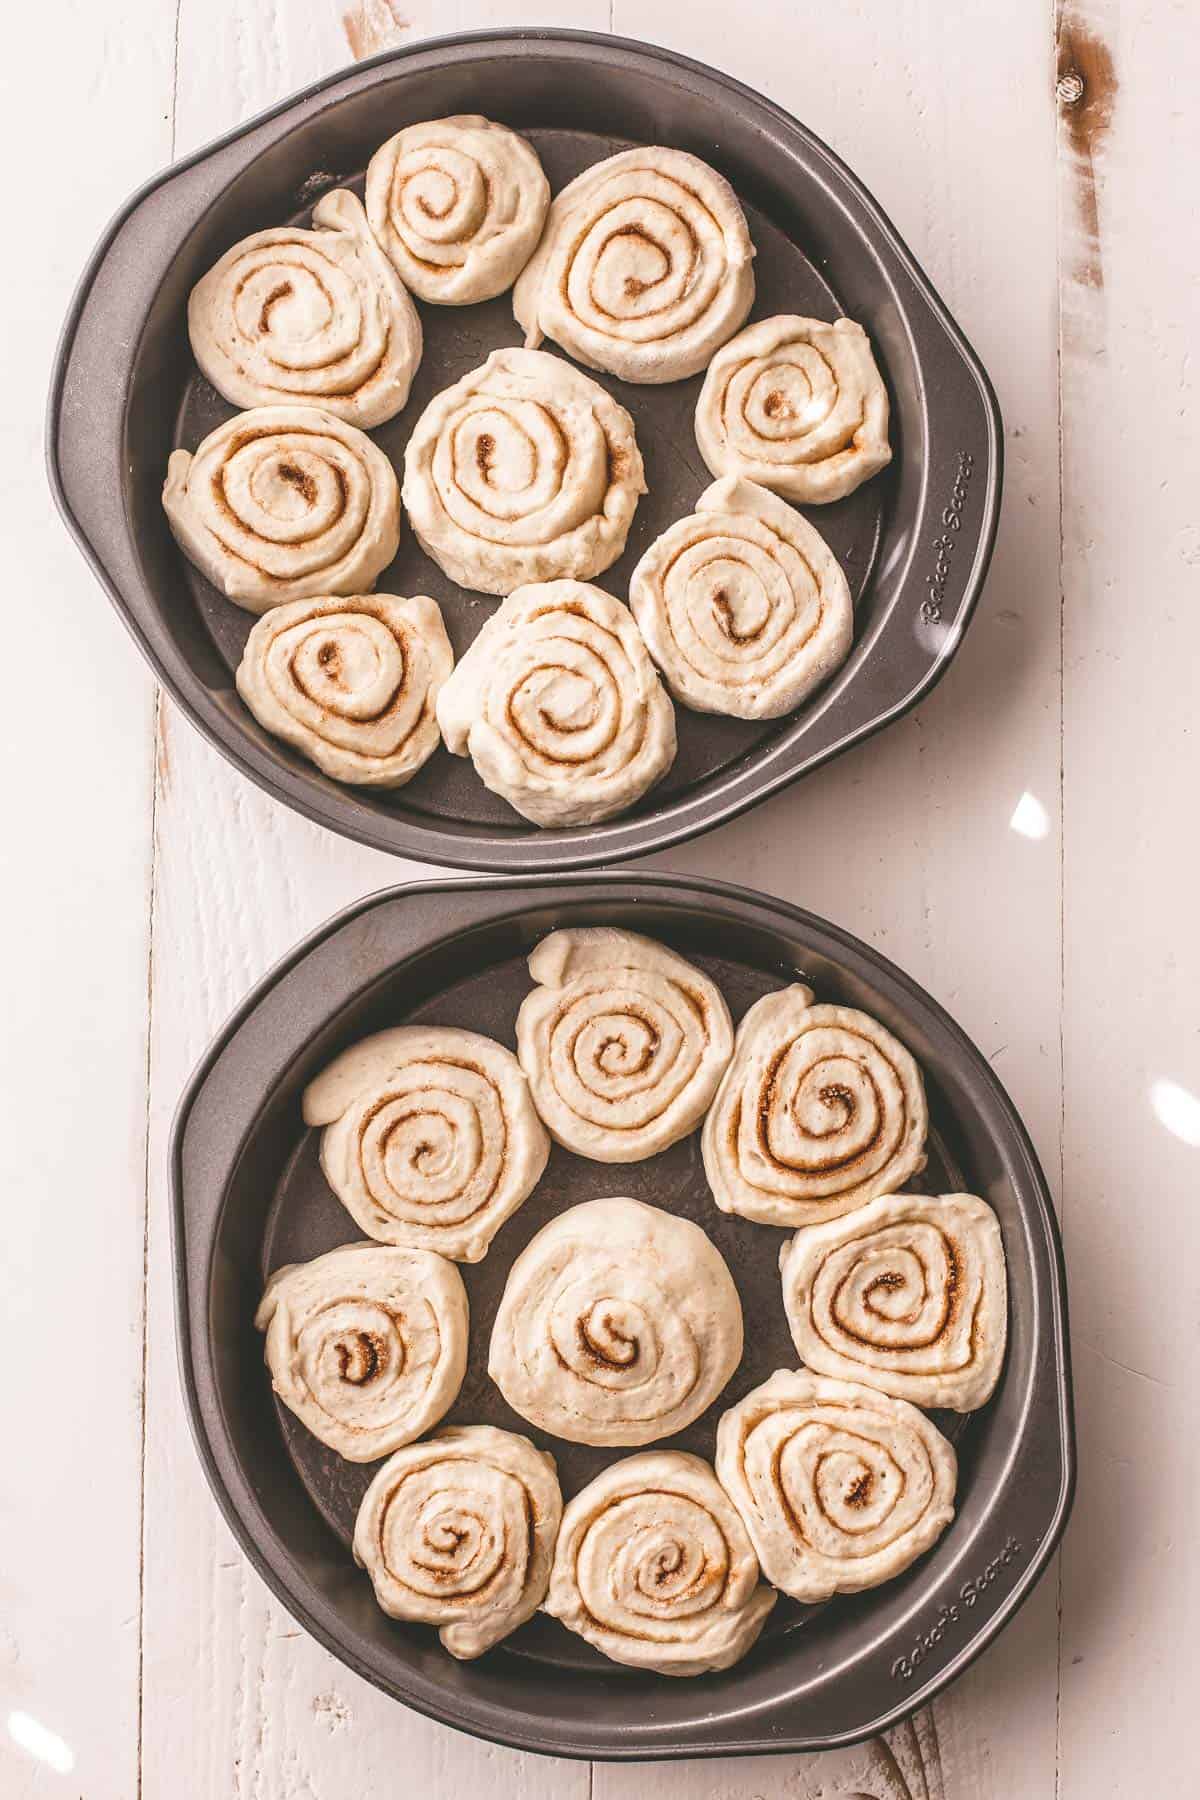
(160, 750)
(1055, 26)
(157, 750)
(1084, 86)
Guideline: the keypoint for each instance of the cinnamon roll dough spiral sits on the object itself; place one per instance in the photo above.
(655, 1568)
(351, 683)
(839, 1486)
(797, 406)
(367, 1345)
(525, 470)
(431, 1139)
(459, 1532)
(820, 1110)
(644, 268)
(743, 605)
(623, 1042)
(458, 205)
(619, 1324)
(284, 502)
(559, 706)
(908, 1295)
(317, 318)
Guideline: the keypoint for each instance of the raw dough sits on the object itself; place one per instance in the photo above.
(559, 706)
(907, 1294)
(798, 406)
(352, 683)
(525, 470)
(655, 1568)
(431, 1138)
(622, 1040)
(644, 268)
(619, 1324)
(820, 1110)
(743, 605)
(316, 318)
(284, 502)
(840, 1487)
(459, 1532)
(367, 1345)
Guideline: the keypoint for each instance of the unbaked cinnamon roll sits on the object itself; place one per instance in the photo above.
(316, 318)
(820, 1110)
(908, 1295)
(367, 1345)
(623, 1042)
(797, 406)
(655, 1568)
(525, 470)
(619, 1324)
(559, 706)
(284, 502)
(839, 1486)
(431, 1139)
(459, 1532)
(458, 205)
(743, 605)
(351, 683)
(644, 268)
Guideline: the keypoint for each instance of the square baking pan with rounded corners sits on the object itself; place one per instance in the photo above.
(915, 542)
(248, 1196)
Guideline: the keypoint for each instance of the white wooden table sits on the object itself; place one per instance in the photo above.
(1025, 845)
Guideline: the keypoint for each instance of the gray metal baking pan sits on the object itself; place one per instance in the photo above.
(248, 1196)
(915, 542)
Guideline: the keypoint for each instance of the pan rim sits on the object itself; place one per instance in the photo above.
(495, 1721)
(498, 849)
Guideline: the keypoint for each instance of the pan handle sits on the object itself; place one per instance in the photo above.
(956, 527)
(928, 586)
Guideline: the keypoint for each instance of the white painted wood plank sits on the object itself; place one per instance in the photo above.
(232, 1688)
(239, 879)
(898, 841)
(238, 56)
(907, 839)
(77, 737)
(925, 874)
(374, 25)
(1131, 574)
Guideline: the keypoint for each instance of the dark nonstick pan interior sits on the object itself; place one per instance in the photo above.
(447, 791)
(249, 1196)
(914, 542)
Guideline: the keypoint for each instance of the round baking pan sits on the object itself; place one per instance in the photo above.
(915, 542)
(248, 1195)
